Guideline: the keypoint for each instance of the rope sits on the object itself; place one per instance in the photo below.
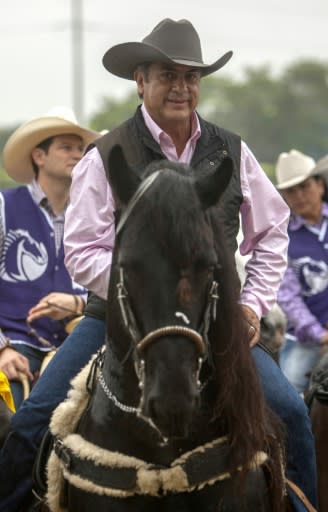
(25, 384)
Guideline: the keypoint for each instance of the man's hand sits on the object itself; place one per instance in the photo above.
(253, 325)
(56, 305)
(12, 362)
(324, 344)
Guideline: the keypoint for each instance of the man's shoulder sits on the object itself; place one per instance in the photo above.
(8, 193)
(215, 128)
(113, 137)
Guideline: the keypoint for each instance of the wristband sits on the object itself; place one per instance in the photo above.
(79, 304)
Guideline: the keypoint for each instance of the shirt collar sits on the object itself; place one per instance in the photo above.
(158, 133)
(40, 198)
(296, 221)
(36, 192)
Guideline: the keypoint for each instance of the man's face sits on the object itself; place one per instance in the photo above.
(305, 199)
(170, 93)
(63, 154)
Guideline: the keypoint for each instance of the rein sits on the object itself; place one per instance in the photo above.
(43, 341)
(144, 186)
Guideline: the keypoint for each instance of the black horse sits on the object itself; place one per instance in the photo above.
(317, 400)
(175, 419)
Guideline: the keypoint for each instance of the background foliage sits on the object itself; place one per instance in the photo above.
(271, 113)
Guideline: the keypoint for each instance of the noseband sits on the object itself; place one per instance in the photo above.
(141, 343)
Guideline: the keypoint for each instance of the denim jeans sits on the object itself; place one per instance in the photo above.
(31, 421)
(297, 360)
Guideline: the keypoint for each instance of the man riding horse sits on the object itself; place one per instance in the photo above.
(167, 67)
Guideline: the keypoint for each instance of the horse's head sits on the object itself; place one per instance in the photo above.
(162, 290)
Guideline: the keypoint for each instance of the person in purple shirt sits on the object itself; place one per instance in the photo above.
(37, 295)
(303, 294)
(167, 67)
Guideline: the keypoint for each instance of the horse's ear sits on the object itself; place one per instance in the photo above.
(123, 180)
(211, 186)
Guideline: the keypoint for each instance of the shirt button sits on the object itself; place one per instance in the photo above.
(52, 234)
(56, 336)
(211, 163)
(56, 267)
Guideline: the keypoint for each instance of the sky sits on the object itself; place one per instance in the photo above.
(36, 49)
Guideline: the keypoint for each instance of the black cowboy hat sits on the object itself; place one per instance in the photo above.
(171, 42)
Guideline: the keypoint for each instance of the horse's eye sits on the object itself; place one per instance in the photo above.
(204, 267)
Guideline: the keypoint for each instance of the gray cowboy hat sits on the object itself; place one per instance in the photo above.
(172, 42)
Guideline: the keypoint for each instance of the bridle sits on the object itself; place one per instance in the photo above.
(139, 342)
(200, 339)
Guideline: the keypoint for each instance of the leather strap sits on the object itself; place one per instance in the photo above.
(300, 494)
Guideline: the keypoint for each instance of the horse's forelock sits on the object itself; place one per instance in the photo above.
(177, 219)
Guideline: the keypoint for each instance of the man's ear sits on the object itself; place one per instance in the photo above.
(37, 155)
(139, 79)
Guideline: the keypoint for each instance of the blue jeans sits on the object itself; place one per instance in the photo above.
(297, 360)
(31, 421)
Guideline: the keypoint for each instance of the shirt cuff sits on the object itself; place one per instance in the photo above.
(4, 341)
(312, 334)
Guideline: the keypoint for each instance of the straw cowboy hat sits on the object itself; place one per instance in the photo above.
(172, 42)
(18, 148)
(292, 168)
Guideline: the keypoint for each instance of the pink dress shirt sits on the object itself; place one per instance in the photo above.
(89, 233)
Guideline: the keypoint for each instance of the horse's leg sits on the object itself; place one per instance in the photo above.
(319, 417)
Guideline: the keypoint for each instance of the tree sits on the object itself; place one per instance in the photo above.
(5, 181)
(113, 112)
(272, 114)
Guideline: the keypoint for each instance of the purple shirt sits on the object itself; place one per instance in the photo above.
(89, 233)
(290, 296)
(57, 221)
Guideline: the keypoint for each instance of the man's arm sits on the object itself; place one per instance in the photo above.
(89, 232)
(290, 298)
(11, 362)
(264, 219)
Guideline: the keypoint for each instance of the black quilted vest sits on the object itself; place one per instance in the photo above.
(140, 149)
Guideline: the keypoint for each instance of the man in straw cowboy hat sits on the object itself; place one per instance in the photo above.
(34, 283)
(303, 294)
(167, 67)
